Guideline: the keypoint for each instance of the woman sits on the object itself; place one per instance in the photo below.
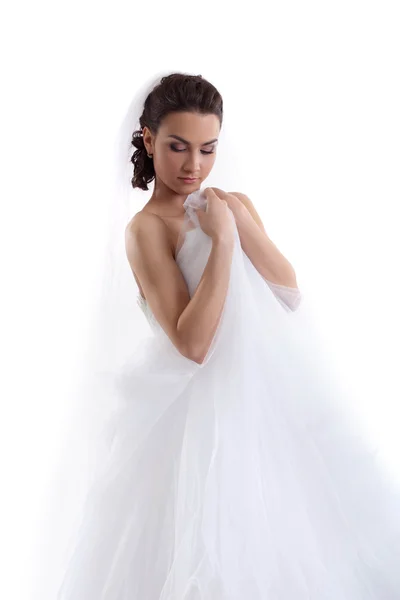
(152, 235)
(235, 471)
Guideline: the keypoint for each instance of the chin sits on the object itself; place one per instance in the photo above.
(190, 187)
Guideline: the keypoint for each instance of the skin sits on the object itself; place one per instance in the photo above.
(151, 235)
(195, 158)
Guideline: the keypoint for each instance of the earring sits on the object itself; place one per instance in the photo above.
(150, 155)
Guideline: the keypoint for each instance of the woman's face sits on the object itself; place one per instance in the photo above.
(185, 146)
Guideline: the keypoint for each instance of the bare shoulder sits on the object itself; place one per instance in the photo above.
(225, 195)
(144, 223)
(247, 203)
(146, 243)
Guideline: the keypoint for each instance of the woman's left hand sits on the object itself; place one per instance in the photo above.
(236, 205)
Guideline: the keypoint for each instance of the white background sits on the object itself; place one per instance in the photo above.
(311, 95)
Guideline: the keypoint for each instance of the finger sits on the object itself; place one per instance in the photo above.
(210, 193)
(221, 194)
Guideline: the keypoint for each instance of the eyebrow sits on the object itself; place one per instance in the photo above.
(177, 137)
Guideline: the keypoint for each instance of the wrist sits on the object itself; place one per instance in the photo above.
(223, 239)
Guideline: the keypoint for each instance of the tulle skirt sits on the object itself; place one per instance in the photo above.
(241, 478)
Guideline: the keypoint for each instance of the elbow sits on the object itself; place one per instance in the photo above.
(189, 344)
(192, 352)
(188, 348)
(199, 354)
(185, 349)
(194, 355)
(289, 279)
(199, 359)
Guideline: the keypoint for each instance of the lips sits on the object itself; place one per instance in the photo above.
(188, 179)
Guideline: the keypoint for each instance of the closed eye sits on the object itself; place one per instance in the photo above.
(202, 151)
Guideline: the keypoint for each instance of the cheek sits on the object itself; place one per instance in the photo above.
(209, 163)
(169, 161)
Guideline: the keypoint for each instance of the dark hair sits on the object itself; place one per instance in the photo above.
(175, 93)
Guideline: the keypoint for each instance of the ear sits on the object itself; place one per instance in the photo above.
(245, 200)
(148, 140)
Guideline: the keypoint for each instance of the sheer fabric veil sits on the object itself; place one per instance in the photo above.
(113, 341)
(279, 339)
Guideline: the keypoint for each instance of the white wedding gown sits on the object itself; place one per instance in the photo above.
(242, 478)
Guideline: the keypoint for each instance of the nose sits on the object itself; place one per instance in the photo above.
(192, 163)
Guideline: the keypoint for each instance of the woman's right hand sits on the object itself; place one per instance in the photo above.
(217, 220)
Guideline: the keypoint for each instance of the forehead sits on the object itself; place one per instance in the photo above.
(194, 127)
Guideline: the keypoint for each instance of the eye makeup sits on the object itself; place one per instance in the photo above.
(175, 149)
(180, 139)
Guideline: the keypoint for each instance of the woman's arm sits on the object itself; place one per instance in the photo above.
(190, 323)
(199, 320)
(256, 244)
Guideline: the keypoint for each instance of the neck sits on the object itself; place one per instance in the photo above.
(167, 200)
